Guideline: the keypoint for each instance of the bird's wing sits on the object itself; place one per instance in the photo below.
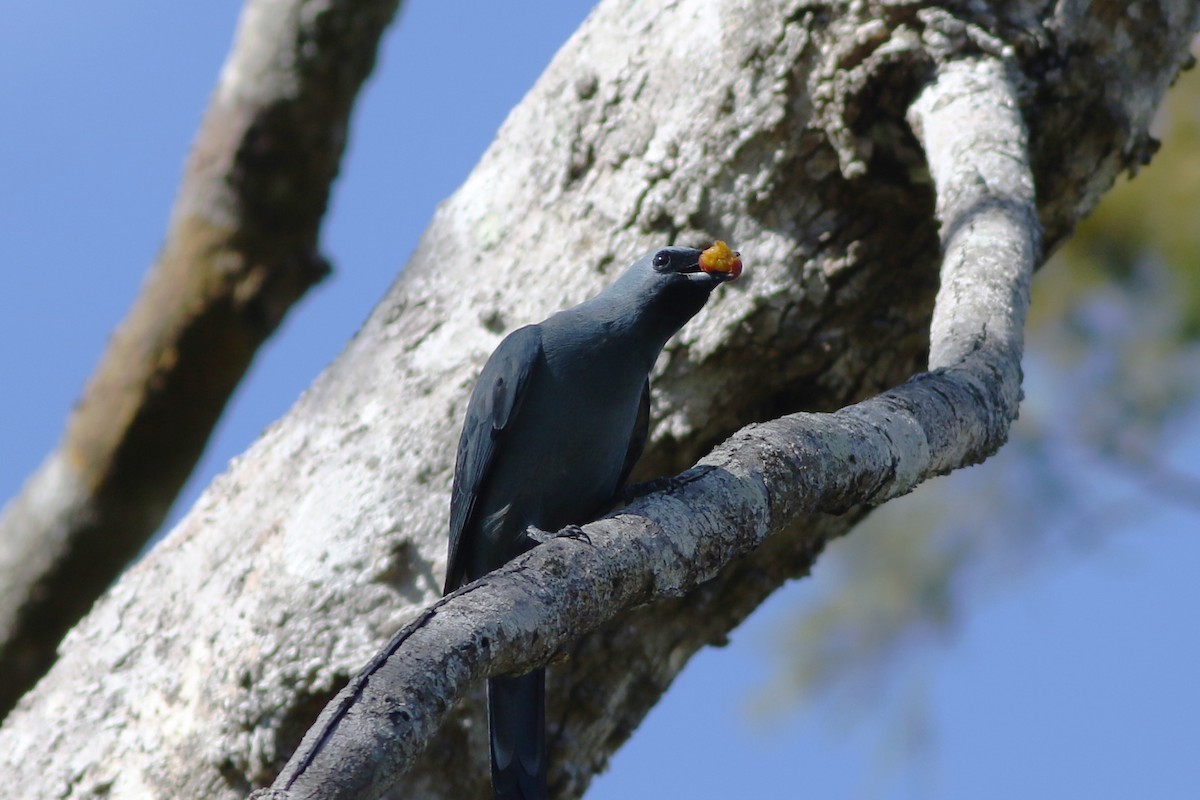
(493, 405)
(637, 440)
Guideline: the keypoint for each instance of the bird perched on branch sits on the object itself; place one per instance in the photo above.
(556, 422)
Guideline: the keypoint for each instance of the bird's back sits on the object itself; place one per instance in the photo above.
(562, 459)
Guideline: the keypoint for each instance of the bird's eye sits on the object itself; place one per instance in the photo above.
(661, 259)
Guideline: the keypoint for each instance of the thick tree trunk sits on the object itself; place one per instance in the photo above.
(781, 127)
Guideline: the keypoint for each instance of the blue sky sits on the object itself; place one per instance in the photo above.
(1076, 680)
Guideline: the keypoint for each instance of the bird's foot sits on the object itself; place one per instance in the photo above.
(632, 491)
(538, 536)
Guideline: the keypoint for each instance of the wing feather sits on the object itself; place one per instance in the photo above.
(494, 404)
(637, 440)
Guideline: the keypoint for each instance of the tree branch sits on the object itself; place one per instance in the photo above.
(241, 249)
(756, 485)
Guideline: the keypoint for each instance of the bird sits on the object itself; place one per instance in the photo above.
(558, 417)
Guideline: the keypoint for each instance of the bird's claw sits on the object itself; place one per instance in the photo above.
(538, 536)
(632, 491)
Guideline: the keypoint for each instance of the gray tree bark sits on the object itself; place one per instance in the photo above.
(241, 249)
(784, 128)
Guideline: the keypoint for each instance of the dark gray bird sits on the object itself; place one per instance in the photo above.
(556, 422)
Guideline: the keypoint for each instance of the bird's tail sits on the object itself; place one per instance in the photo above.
(517, 728)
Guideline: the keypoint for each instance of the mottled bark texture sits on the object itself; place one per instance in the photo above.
(786, 128)
(241, 249)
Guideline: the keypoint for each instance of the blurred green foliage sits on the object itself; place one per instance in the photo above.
(1112, 372)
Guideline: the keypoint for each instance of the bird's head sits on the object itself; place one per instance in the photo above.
(708, 267)
(668, 286)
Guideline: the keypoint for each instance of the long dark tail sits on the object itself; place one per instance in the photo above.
(517, 727)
